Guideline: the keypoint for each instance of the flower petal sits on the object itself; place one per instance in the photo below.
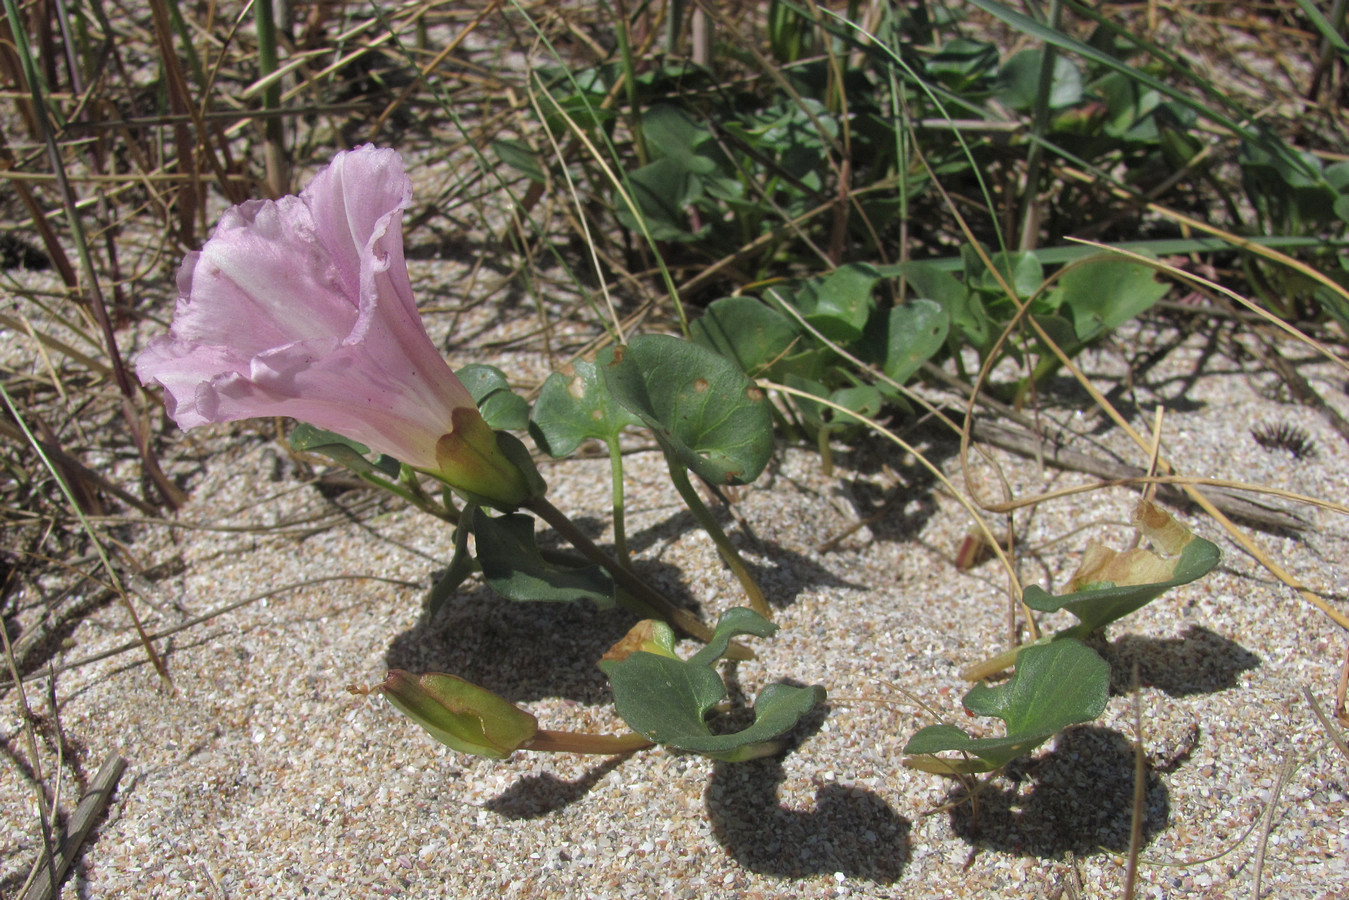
(303, 307)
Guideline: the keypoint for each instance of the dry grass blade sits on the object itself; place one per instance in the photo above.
(1290, 763)
(91, 806)
(164, 115)
(145, 643)
(1332, 733)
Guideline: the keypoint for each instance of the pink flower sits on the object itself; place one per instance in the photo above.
(302, 307)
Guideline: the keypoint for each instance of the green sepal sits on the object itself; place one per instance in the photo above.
(486, 467)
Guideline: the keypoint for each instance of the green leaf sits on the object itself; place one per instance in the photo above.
(1203, 105)
(839, 306)
(667, 700)
(519, 156)
(305, 437)
(1061, 332)
(1055, 685)
(501, 407)
(964, 309)
(698, 403)
(1111, 584)
(583, 111)
(917, 331)
(864, 399)
(460, 714)
(1019, 81)
(1021, 270)
(1104, 292)
(513, 566)
(747, 331)
(662, 190)
(573, 409)
(962, 62)
(672, 134)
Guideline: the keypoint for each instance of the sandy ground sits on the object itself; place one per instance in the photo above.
(260, 776)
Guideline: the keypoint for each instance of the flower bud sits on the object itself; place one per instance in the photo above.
(460, 714)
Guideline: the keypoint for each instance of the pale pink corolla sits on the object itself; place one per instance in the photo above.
(302, 307)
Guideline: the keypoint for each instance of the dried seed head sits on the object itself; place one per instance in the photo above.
(1285, 437)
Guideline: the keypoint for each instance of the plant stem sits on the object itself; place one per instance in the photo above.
(626, 579)
(1039, 124)
(620, 531)
(826, 452)
(572, 742)
(1007, 658)
(275, 147)
(993, 665)
(724, 545)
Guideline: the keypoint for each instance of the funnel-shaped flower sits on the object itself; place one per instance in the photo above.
(302, 307)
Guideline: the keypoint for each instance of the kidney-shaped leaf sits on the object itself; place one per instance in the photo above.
(667, 699)
(863, 399)
(840, 305)
(699, 404)
(499, 405)
(917, 330)
(747, 331)
(1055, 685)
(1019, 81)
(1104, 292)
(572, 409)
(1110, 584)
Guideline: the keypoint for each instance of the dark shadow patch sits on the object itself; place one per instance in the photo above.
(850, 830)
(1198, 662)
(1077, 798)
(895, 514)
(535, 796)
(522, 651)
(527, 651)
(784, 574)
(18, 253)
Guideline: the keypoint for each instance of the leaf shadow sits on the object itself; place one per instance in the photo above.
(535, 796)
(1200, 661)
(1077, 798)
(850, 830)
(527, 651)
(783, 573)
(522, 651)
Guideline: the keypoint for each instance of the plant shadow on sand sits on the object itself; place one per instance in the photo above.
(850, 830)
(1077, 798)
(1200, 661)
(528, 651)
(535, 796)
